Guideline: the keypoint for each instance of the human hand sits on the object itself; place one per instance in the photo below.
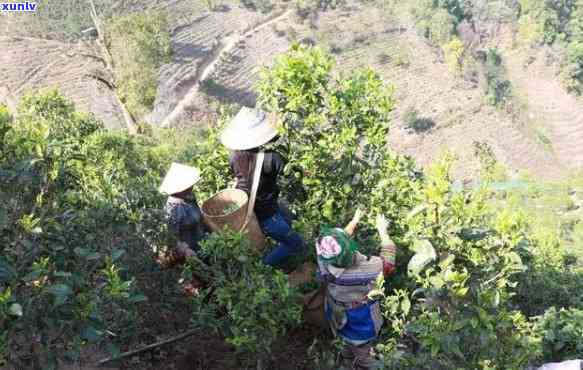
(382, 224)
(357, 216)
(354, 222)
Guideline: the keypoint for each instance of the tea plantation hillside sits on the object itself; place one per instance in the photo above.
(487, 278)
(506, 74)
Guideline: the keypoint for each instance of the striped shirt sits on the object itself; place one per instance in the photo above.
(348, 291)
(354, 283)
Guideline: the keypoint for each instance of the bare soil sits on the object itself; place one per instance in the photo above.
(218, 54)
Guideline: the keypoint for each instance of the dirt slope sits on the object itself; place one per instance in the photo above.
(217, 53)
(28, 64)
(367, 38)
(181, 81)
(198, 40)
(550, 105)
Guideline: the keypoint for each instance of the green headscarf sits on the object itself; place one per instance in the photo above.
(343, 257)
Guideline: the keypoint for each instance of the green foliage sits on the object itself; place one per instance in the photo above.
(434, 21)
(78, 231)
(491, 169)
(497, 88)
(416, 123)
(259, 305)
(74, 197)
(575, 26)
(139, 43)
(438, 19)
(562, 334)
(264, 6)
(558, 21)
(5, 122)
(454, 55)
(461, 314)
(573, 71)
(545, 21)
(337, 127)
(550, 249)
(458, 310)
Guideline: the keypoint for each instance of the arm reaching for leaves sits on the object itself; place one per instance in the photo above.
(388, 247)
(351, 227)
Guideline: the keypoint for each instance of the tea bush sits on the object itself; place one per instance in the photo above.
(458, 312)
(73, 197)
(562, 334)
(334, 136)
(81, 225)
(247, 301)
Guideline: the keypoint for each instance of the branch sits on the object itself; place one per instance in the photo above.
(147, 348)
(107, 83)
(129, 120)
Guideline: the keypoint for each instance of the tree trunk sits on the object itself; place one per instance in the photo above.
(129, 120)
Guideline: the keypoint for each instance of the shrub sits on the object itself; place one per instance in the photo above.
(436, 20)
(73, 195)
(410, 116)
(415, 123)
(5, 122)
(465, 319)
(573, 71)
(488, 161)
(336, 126)
(263, 6)
(562, 334)
(575, 26)
(247, 301)
(497, 88)
(543, 21)
(454, 55)
(139, 43)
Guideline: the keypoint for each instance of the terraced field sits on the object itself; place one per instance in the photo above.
(198, 42)
(28, 64)
(422, 81)
(560, 113)
(217, 53)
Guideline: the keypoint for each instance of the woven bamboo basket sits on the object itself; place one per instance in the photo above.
(213, 212)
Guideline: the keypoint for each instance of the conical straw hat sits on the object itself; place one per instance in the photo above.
(179, 178)
(249, 129)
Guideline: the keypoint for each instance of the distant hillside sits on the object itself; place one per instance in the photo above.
(216, 55)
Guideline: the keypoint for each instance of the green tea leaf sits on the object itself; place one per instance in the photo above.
(7, 272)
(424, 254)
(15, 310)
(61, 292)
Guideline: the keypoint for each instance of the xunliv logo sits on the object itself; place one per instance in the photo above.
(18, 7)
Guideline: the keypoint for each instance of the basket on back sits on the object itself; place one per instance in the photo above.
(228, 208)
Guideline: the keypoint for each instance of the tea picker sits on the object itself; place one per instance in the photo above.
(256, 171)
(183, 215)
(351, 278)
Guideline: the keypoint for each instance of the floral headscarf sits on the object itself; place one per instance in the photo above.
(335, 247)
